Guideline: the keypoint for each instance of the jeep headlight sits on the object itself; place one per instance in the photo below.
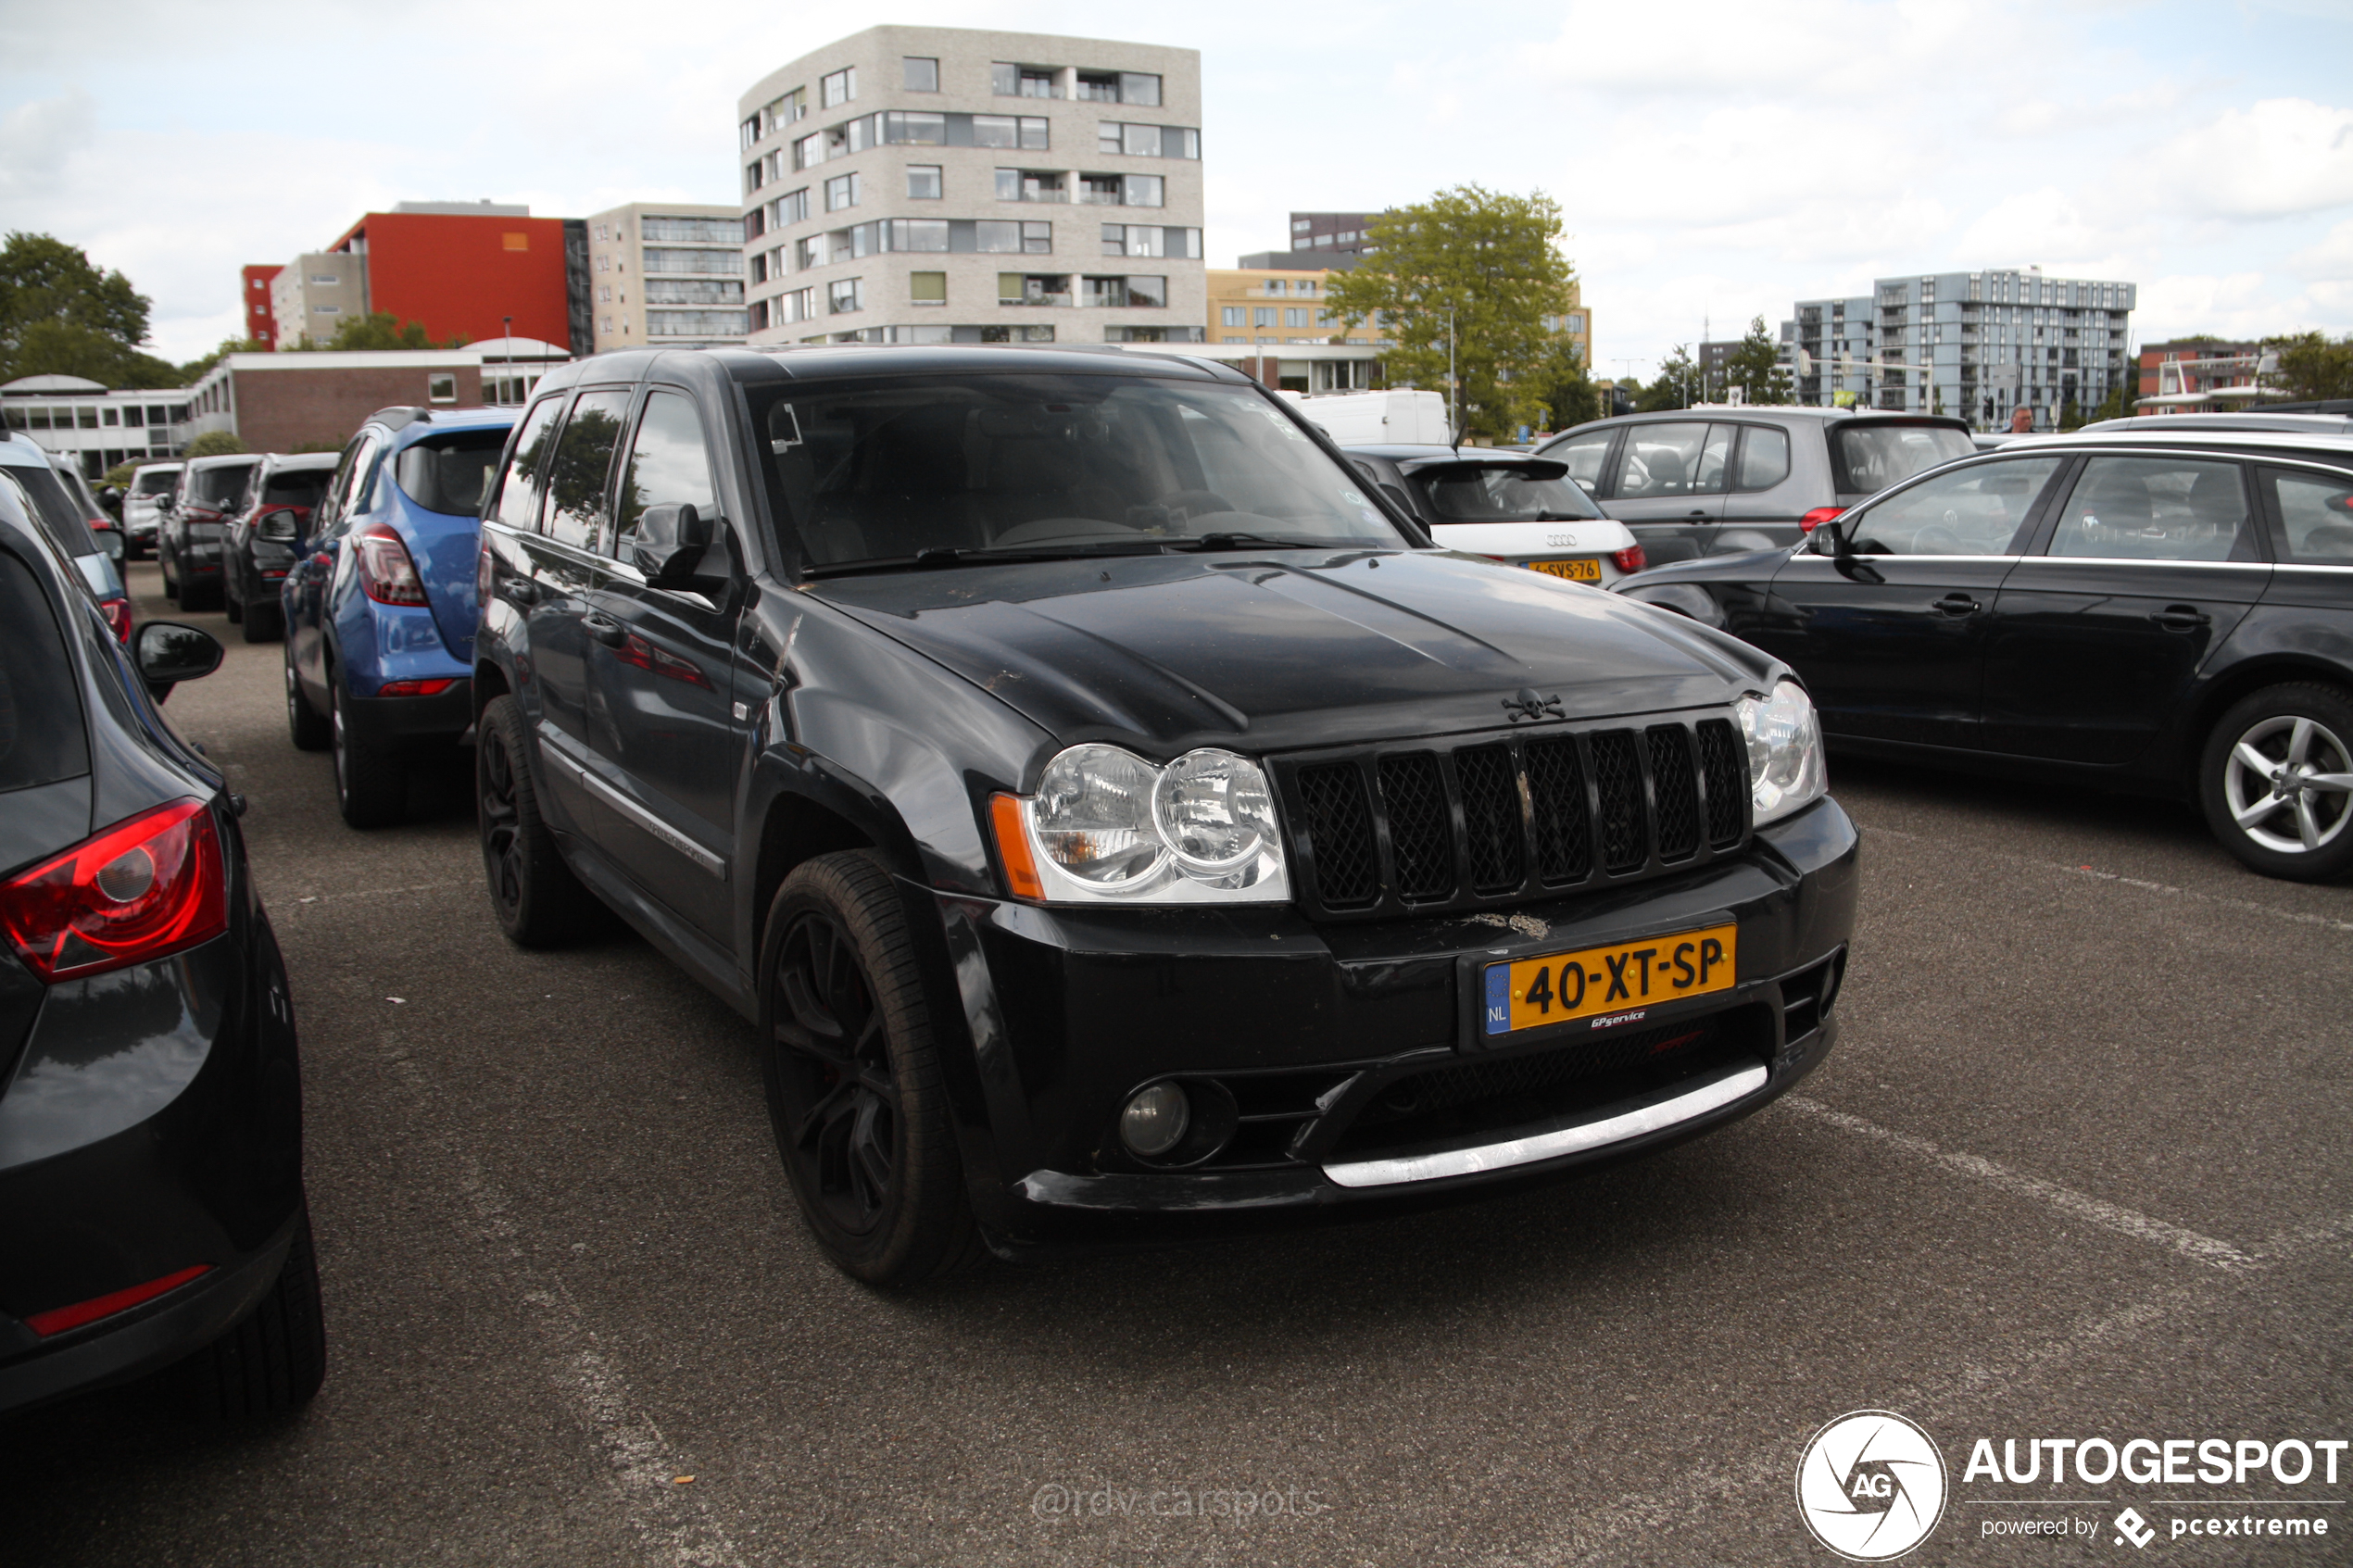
(1106, 826)
(1786, 765)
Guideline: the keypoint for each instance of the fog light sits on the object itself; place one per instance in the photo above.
(1156, 1121)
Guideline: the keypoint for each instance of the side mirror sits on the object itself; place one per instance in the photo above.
(277, 523)
(670, 544)
(167, 653)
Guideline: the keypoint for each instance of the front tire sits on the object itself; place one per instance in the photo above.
(856, 1096)
(371, 786)
(2277, 781)
(538, 901)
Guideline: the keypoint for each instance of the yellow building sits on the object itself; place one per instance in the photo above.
(1272, 323)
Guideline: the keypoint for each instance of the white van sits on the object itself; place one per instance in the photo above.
(1377, 419)
(152, 484)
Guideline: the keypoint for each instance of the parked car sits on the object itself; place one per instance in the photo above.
(103, 524)
(379, 608)
(151, 1203)
(151, 486)
(260, 544)
(1720, 480)
(194, 517)
(1118, 818)
(1521, 511)
(43, 492)
(2250, 419)
(2168, 612)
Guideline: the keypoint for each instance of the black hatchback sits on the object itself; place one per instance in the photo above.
(1119, 819)
(151, 1203)
(2168, 613)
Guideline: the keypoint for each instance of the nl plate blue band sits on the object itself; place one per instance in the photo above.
(1499, 998)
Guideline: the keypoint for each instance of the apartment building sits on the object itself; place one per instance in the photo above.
(2198, 375)
(459, 269)
(312, 296)
(1977, 345)
(1330, 241)
(957, 185)
(665, 274)
(262, 312)
(1270, 320)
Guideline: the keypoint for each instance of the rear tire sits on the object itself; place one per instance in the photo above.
(371, 786)
(263, 623)
(233, 608)
(856, 1096)
(170, 584)
(2277, 781)
(306, 726)
(538, 901)
(272, 1361)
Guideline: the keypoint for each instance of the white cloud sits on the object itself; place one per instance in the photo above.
(2271, 159)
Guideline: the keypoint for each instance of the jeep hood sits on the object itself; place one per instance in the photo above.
(1277, 650)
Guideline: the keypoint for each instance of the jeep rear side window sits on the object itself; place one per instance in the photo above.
(516, 501)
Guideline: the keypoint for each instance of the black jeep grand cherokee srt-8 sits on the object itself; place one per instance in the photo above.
(1119, 820)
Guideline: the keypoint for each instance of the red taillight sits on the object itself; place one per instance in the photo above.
(386, 570)
(1630, 559)
(142, 888)
(1820, 516)
(117, 614)
(57, 1320)
(417, 688)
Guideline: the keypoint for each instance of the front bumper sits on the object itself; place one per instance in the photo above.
(1345, 1054)
(151, 1122)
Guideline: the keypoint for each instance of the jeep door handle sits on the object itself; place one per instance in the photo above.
(1957, 604)
(605, 629)
(2181, 617)
(521, 591)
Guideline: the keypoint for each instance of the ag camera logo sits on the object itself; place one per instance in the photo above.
(1872, 1486)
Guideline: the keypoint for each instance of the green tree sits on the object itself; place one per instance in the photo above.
(1677, 380)
(196, 370)
(2312, 366)
(2117, 404)
(214, 443)
(1476, 270)
(2071, 415)
(1756, 367)
(1569, 393)
(378, 328)
(61, 314)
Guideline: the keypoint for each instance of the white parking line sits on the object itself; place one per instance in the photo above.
(2066, 1200)
(295, 902)
(2087, 873)
(669, 1519)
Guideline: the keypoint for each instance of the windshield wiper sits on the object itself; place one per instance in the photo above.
(1244, 542)
(939, 555)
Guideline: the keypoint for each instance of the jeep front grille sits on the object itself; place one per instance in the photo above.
(1425, 827)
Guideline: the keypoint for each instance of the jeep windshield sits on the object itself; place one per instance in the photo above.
(906, 471)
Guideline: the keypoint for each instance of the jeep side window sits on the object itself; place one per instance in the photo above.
(514, 500)
(669, 463)
(579, 471)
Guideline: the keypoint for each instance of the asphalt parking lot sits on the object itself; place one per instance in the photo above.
(2079, 1167)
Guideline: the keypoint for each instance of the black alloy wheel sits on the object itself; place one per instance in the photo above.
(163, 567)
(538, 901)
(2277, 781)
(855, 1093)
(305, 724)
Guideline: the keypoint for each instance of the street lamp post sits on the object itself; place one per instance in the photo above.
(507, 381)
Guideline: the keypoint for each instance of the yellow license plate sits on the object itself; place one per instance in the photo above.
(1575, 571)
(1618, 983)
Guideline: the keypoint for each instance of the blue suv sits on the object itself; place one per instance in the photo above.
(379, 603)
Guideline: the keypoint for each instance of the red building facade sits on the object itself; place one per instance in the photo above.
(261, 323)
(457, 274)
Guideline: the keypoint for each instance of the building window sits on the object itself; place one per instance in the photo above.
(923, 182)
(1277, 285)
(514, 242)
(1262, 315)
(326, 309)
(841, 191)
(927, 288)
(838, 87)
(920, 75)
(1142, 190)
(1009, 81)
(1030, 185)
(1032, 288)
(441, 387)
(1295, 316)
(1233, 315)
(1147, 293)
(792, 207)
(844, 296)
(759, 273)
(325, 278)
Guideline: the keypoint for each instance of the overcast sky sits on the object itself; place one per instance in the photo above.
(1713, 160)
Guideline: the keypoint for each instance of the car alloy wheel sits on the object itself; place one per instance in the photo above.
(835, 1075)
(538, 901)
(303, 726)
(2288, 785)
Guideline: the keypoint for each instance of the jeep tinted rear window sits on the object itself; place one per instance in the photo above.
(1867, 458)
(154, 481)
(41, 739)
(449, 473)
(224, 486)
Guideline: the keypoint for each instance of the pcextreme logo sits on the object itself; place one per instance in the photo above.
(1870, 1485)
